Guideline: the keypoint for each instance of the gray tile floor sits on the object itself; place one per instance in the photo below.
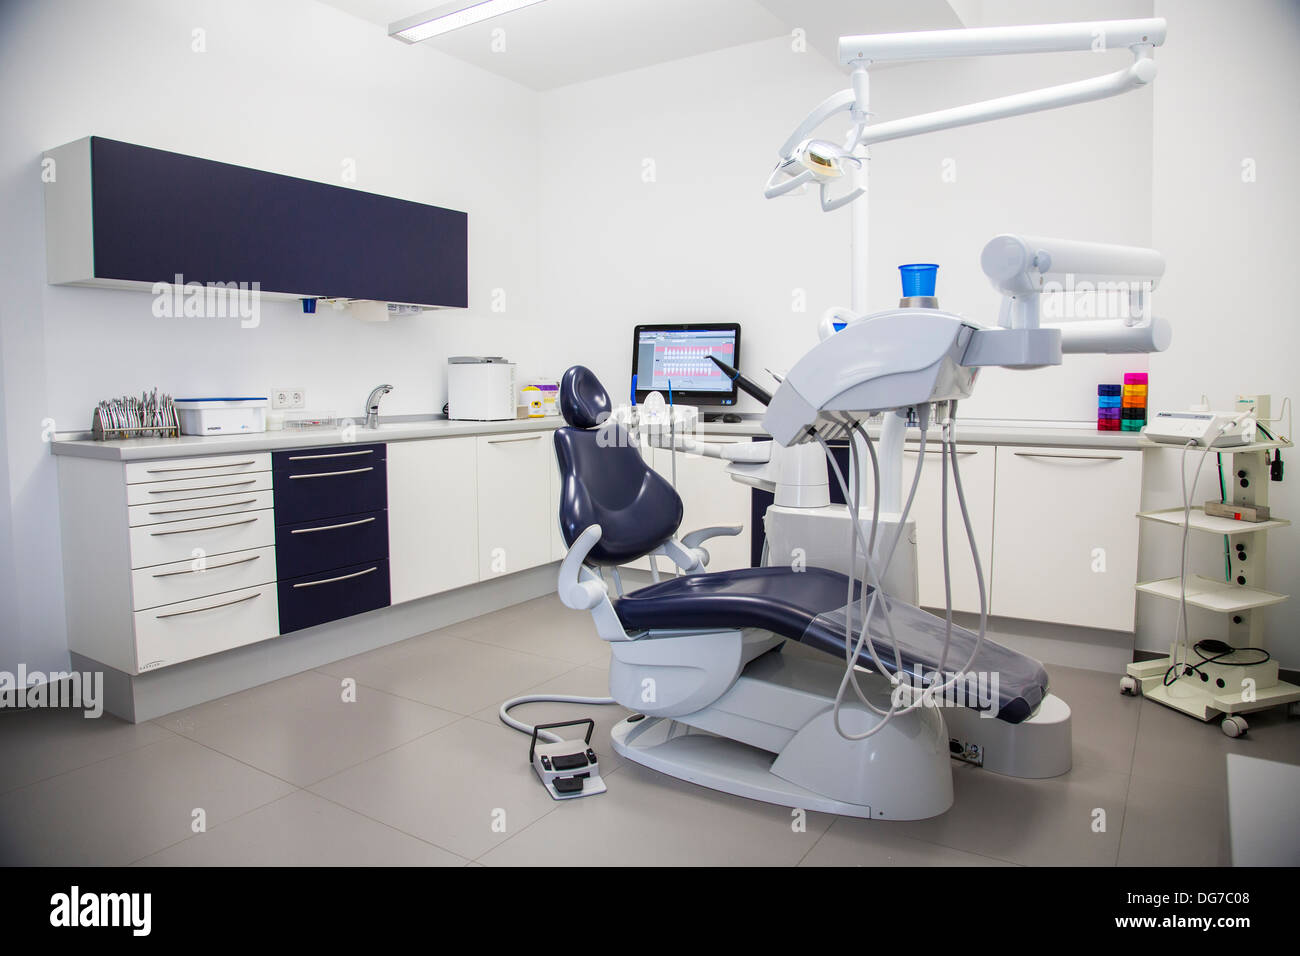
(418, 771)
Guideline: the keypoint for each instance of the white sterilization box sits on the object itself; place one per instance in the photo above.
(221, 416)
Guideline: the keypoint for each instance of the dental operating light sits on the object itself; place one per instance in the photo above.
(452, 16)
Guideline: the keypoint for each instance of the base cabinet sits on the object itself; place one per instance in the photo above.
(514, 532)
(1065, 540)
(432, 516)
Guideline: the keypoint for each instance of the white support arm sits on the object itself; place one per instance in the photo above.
(581, 589)
(1139, 73)
(1001, 41)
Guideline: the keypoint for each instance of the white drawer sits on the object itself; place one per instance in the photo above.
(152, 492)
(194, 578)
(153, 544)
(205, 507)
(180, 632)
(167, 469)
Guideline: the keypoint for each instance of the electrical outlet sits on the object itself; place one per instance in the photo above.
(288, 397)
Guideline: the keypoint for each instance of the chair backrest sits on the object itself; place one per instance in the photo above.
(605, 481)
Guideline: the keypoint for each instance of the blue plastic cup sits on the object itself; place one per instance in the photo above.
(918, 278)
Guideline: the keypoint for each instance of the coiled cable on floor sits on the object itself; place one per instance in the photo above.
(523, 728)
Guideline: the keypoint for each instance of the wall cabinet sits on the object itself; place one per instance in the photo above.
(123, 216)
(1065, 541)
(432, 516)
(514, 521)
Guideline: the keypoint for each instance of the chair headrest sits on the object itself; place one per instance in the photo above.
(584, 403)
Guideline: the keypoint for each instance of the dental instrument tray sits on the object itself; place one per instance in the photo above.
(567, 768)
(150, 416)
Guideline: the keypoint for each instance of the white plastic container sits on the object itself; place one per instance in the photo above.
(221, 416)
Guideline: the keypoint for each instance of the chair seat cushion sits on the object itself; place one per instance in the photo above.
(775, 599)
(809, 606)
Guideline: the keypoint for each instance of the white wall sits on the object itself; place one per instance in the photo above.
(697, 242)
(1226, 94)
(292, 87)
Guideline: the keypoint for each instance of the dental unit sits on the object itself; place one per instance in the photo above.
(870, 730)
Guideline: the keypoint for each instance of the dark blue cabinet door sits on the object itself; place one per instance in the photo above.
(159, 214)
(327, 596)
(318, 485)
(325, 543)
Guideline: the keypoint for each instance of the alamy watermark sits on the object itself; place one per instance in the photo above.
(1084, 299)
(975, 689)
(31, 690)
(211, 300)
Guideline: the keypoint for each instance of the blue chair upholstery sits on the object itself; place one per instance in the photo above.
(605, 480)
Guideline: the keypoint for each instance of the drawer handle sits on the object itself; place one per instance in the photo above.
(229, 484)
(937, 451)
(341, 577)
(337, 454)
(228, 504)
(210, 567)
(210, 607)
(331, 527)
(1043, 454)
(506, 441)
(331, 474)
(224, 464)
(213, 527)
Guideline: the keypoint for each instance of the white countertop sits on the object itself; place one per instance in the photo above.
(141, 449)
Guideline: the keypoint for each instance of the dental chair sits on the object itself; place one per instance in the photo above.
(699, 659)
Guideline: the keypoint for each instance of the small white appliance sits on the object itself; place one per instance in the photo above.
(481, 388)
(221, 416)
(1218, 429)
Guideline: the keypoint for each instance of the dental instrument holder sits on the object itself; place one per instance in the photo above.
(567, 768)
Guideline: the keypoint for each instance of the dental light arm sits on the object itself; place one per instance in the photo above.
(999, 41)
(804, 160)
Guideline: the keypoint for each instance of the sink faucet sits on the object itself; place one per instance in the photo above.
(372, 404)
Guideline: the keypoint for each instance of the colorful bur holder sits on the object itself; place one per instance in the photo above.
(1123, 407)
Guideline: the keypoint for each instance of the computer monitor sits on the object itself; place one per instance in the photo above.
(677, 356)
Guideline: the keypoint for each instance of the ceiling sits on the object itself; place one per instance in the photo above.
(558, 42)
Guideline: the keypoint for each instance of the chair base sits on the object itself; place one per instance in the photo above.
(778, 745)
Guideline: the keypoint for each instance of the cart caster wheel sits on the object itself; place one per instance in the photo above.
(1234, 726)
(1129, 687)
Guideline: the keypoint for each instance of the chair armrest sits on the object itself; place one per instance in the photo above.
(581, 589)
(577, 590)
(695, 538)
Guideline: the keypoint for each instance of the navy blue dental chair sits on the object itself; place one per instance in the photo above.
(614, 508)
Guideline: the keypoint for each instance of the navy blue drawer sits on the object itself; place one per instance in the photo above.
(327, 596)
(296, 461)
(324, 543)
(312, 488)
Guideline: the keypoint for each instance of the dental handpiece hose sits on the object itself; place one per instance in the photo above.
(743, 382)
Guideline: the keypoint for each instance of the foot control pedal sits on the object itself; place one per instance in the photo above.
(567, 768)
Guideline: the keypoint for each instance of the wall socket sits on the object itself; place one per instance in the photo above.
(288, 397)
